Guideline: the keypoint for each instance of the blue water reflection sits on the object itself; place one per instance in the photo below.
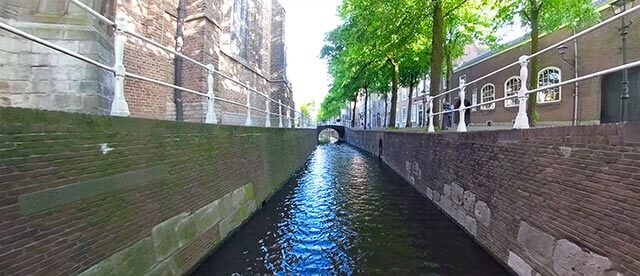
(347, 213)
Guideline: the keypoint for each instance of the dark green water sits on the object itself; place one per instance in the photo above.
(347, 213)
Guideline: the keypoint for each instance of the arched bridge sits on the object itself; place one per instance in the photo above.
(339, 129)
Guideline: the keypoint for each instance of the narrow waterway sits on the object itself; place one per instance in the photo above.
(346, 212)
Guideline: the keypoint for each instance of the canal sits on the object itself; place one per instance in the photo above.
(346, 212)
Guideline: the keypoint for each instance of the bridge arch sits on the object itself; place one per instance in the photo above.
(337, 128)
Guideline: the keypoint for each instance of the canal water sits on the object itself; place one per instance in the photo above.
(347, 213)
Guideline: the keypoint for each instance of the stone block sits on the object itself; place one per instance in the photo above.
(249, 193)
(571, 260)
(238, 197)
(469, 201)
(104, 268)
(165, 236)
(457, 193)
(446, 191)
(519, 266)
(234, 220)
(166, 268)
(16, 87)
(470, 224)
(15, 73)
(136, 259)
(482, 213)
(186, 230)
(459, 213)
(538, 244)
(436, 196)
(430, 193)
(13, 44)
(446, 205)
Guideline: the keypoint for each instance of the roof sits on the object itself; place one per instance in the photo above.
(512, 44)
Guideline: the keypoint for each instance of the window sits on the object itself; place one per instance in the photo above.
(549, 76)
(404, 114)
(414, 112)
(474, 99)
(511, 87)
(403, 93)
(240, 34)
(488, 93)
(420, 114)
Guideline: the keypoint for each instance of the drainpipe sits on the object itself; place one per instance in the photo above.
(576, 106)
(177, 61)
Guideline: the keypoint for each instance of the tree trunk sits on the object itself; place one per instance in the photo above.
(449, 74)
(386, 106)
(437, 49)
(533, 73)
(409, 104)
(353, 113)
(394, 91)
(366, 103)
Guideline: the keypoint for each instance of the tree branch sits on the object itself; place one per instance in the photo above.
(459, 5)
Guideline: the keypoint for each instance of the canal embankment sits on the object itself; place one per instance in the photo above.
(124, 196)
(556, 201)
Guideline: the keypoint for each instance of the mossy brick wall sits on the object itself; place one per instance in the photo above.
(81, 192)
(556, 201)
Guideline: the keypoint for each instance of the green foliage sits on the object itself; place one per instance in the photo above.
(305, 108)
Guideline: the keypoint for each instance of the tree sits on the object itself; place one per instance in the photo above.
(374, 33)
(544, 16)
(305, 108)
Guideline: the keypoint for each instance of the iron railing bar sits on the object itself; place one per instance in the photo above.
(586, 31)
(93, 12)
(585, 77)
(48, 44)
(136, 76)
(553, 46)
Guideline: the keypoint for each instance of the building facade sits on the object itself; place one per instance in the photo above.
(243, 39)
(592, 101)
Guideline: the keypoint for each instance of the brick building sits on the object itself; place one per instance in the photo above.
(598, 99)
(243, 39)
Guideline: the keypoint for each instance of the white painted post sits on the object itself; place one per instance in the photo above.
(522, 120)
(267, 122)
(462, 124)
(280, 113)
(247, 122)
(119, 106)
(288, 117)
(210, 117)
(431, 129)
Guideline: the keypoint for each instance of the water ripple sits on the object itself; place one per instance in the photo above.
(347, 213)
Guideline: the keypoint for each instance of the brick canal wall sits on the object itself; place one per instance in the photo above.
(122, 196)
(557, 201)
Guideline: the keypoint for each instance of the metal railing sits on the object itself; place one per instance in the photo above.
(522, 120)
(119, 105)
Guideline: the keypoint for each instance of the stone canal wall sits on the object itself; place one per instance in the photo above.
(121, 196)
(554, 201)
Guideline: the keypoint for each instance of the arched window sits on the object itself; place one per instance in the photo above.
(549, 76)
(488, 93)
(511, 87)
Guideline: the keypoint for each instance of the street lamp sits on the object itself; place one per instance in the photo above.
(618, 7)
(562, 51)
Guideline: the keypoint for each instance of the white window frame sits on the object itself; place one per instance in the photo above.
(403, 111)
(541, 94)
(474, 99)
(419, 111)
(414, 113)
(511, 102)
(484, 98)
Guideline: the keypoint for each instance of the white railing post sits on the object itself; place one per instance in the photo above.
(247, 122)
(119, 106)
(462, 124)
(430, 128)
(288, 117)
(522, 120)
(280, 114)
(267, 122)
(210, 117)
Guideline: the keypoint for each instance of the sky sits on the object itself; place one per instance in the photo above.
(307, 22)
